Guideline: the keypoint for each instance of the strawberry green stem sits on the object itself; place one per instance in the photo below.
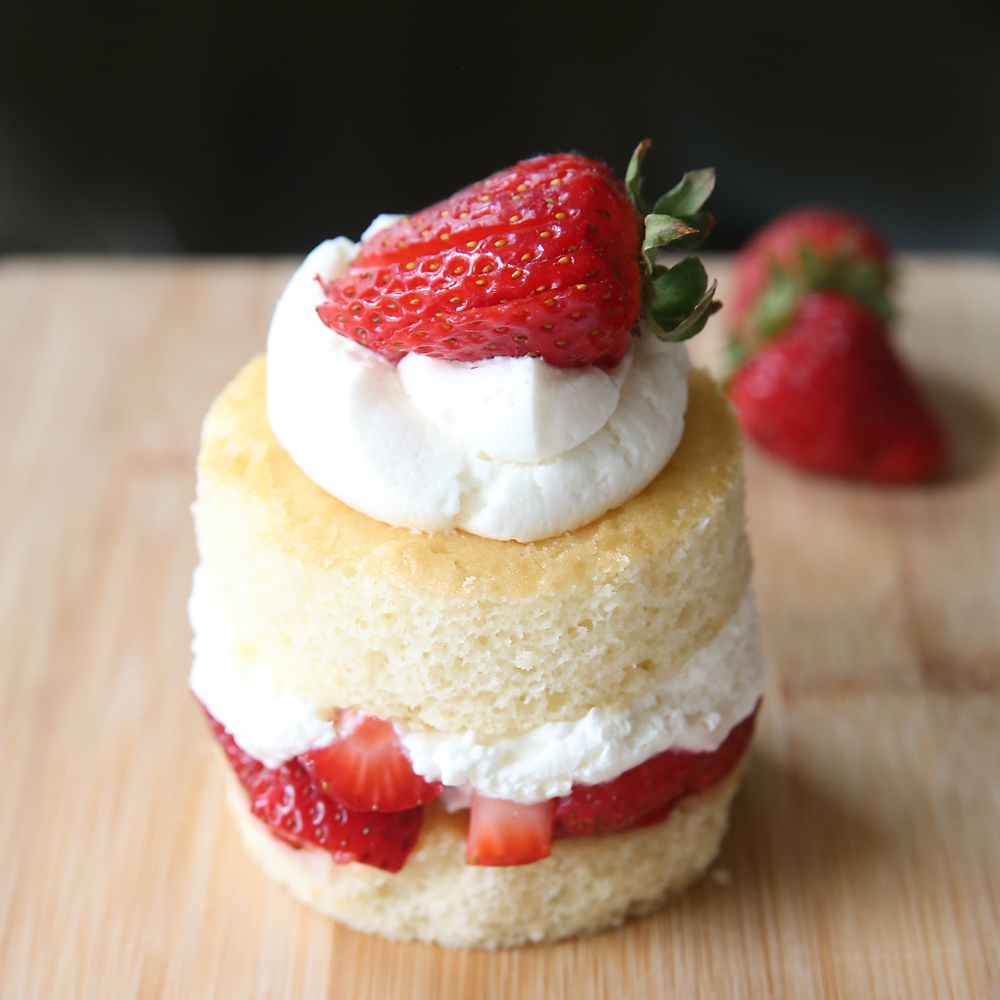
(678, 300)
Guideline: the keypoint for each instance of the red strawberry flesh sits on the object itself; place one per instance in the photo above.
(299, 813)
(648, 793)
(366, 768)
(508, 833)
(297, 810)
(541, 259)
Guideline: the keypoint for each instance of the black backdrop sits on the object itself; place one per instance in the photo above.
(211, 128)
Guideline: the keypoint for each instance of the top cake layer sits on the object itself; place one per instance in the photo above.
(453, 631)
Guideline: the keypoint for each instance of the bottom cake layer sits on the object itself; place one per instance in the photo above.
(587, 884)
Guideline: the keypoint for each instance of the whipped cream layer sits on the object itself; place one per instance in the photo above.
(507, 448)
(695, 710)
(271, 725)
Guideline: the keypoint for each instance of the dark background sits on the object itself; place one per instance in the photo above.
(216, 129)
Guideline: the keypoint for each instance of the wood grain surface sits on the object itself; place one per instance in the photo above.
(864, 853)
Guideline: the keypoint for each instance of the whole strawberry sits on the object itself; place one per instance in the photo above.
(830, 394)
(807, 249)
(551, 258)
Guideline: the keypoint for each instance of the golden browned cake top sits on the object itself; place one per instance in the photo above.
(240, 450)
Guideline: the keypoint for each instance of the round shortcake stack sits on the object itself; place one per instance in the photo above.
(474, 629)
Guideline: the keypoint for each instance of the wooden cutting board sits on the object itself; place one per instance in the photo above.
(864, 853)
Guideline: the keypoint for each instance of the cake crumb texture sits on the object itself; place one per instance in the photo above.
(586, 885)
(456, 632)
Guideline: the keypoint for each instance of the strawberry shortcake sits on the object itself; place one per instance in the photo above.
(473, 626)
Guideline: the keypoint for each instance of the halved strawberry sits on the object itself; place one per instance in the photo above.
(508, 833)
(549, 258)
(298, 812)
(366, 768)
(648, 793)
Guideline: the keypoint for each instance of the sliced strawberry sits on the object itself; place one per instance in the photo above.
(297, 812)
(713, 767)
(831, 395)
(648, 793)
(366, 768)
(289, 803)
(545, 259)
(508, 833)
(246, 767)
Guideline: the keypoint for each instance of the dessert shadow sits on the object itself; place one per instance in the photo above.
(791, 838)
(971, 424)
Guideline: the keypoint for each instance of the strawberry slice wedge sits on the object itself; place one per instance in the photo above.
(300, 814)
(502, 832)
(648, 793)
(366, 768)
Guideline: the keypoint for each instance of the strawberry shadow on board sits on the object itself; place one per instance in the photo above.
(794, 836)
(971, 424)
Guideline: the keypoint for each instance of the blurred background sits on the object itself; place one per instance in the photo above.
(209, 129)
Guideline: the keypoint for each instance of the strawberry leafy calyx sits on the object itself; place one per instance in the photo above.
(677, 300)
(866, 280)
(863, 279)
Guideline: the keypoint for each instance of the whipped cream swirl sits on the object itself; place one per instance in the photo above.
(507, 448)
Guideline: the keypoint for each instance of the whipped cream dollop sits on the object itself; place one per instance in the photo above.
(507, 448)
(695, 710)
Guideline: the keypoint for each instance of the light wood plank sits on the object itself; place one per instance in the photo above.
(864, 857)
